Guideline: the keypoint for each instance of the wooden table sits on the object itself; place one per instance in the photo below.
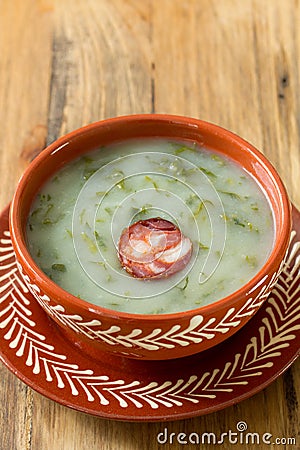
(67, 63)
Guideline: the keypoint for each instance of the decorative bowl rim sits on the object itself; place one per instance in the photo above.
(23, 256)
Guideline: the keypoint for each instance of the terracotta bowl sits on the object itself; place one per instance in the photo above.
(163, 336)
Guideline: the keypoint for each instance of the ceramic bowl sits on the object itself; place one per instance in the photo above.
(94, 329)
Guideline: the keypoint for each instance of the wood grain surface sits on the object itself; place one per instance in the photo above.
(67, 63)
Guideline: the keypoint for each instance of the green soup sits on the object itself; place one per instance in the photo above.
(77, 218)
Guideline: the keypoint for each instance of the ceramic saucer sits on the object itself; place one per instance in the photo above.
(34, 349)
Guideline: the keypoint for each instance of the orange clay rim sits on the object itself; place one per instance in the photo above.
(282, 226)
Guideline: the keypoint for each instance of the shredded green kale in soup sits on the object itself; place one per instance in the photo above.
(77, 218)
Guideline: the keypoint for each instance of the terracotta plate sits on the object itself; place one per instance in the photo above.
(33, 348)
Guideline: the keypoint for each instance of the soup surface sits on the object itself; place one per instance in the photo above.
(77, 219)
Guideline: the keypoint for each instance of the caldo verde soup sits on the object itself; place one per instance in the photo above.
(78, 217)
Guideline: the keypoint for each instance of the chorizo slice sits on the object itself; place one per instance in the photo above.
(153, 248)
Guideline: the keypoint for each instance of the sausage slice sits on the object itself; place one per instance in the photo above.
(153, 248)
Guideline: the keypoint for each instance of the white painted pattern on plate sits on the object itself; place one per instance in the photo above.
(277, 330)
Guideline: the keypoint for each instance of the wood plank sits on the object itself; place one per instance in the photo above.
(26, 28)
(101, 62)
(235, 64)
